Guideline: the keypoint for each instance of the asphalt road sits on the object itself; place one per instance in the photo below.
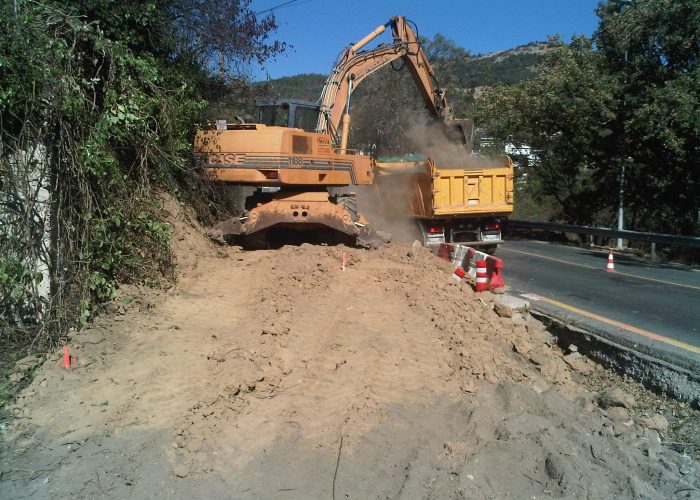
(660, 302)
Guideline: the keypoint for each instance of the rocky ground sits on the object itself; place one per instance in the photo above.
(275, 374)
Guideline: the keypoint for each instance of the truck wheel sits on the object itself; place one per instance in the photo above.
(423, 233)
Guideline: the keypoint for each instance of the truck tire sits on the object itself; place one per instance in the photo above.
(423, 233)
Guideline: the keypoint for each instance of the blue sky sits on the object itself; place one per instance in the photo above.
(319, 29)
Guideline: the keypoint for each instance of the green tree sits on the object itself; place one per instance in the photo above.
(653, 49)
(99, 101)
(565, 114)
(630, 92)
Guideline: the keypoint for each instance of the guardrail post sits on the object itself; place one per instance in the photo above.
(590, 240)
(653, 251)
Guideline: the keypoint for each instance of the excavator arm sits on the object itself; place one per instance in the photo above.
(355, 65)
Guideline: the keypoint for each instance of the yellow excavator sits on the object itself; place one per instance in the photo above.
(297, 151)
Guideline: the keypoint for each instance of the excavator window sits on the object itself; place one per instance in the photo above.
(292, 113)
(306, 118)
(277, 116)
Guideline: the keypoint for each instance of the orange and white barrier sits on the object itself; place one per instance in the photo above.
(458, 275)
(467, 258)
(481, 276)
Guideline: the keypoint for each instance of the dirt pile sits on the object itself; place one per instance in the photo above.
(275, 374)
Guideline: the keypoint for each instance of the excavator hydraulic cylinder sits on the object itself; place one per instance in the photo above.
(346, 134)
(368, 38)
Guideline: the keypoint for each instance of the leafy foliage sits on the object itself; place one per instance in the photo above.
(99, 102)
(225, 34)
(306, 86)
(566, 115)
(629, 94)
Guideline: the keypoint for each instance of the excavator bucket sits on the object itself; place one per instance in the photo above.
(460, 131)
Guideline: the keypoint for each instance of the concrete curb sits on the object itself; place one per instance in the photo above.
(652, 368)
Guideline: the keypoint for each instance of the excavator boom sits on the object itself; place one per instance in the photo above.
(354, 65)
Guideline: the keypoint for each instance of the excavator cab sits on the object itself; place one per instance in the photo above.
(290, 113)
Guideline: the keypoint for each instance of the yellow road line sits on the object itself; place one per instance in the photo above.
(619, 324)
(600, 269)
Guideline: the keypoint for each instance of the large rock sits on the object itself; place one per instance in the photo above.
(515, 303)
(556, 468)
(578, 363)
(181, 470)
(521, 344)
(655, 422)
(616, 397)
(618, 414)
(502, 310)
(415, 248)
(536, 331)
(538, 358)
(555, 370)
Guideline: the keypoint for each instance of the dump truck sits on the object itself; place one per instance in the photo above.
(297, 152)
(449, 204)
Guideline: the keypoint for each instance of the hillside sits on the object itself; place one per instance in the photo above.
(306, 86)
(507, 67)
(387, 105)
(470, 72)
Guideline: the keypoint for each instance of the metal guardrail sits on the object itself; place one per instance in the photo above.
(654, 238)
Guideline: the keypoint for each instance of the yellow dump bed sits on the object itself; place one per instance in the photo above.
(483, 191)
(448, 192)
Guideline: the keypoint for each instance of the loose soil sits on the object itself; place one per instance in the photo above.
(275, 374)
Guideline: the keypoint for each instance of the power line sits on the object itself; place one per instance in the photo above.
(276, 7)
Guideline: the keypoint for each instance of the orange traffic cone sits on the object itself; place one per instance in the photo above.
(611, 264)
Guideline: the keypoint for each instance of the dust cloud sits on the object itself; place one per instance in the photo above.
(393, 202)
(429, 137)
(387, 206)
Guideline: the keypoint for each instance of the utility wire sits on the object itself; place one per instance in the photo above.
(289, 2)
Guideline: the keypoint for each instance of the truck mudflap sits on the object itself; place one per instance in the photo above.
(299, 211)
